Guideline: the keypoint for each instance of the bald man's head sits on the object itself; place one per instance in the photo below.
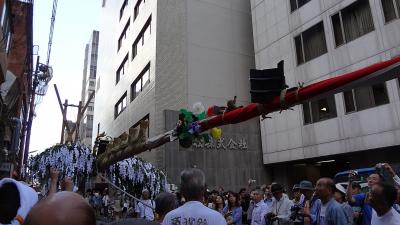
(62, 208)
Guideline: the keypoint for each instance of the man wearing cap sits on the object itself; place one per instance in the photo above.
(298, 197)
(311, 203)
(142, 208)
(279, 212)
(16, 200)
(340, 197)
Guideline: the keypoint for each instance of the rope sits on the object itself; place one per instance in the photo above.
(139, 200)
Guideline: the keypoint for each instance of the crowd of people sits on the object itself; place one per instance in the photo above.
(324, 203)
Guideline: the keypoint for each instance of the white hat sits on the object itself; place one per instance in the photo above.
(340, 188)
(28, 198)
(144, 190)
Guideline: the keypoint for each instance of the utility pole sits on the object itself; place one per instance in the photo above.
(64, 108)
(35, 83)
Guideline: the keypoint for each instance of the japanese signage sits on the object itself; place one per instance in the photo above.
(222, 144)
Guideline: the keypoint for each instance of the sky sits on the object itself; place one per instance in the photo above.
(74, 23)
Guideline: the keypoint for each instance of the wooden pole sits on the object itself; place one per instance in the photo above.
(78, 121)
(64, 122)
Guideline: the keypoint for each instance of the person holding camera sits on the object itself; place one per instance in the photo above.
(382, 198)
(297, 209)
(389, 169)
(279, 212)
(361, 200)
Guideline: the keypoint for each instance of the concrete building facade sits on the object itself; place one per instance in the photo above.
(88, 86)
(157, 57)
(319, 39)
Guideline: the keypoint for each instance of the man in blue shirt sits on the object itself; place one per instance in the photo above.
(330, 212)
(268, 196)
(361, 200)
(259, 207)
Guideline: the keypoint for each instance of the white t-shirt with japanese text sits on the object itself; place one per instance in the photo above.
(195, 213)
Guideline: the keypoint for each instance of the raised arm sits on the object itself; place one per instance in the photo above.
(390, 170)
(53, 180)
(349, 193)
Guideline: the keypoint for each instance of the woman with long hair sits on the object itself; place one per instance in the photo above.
(233, 210)
(219, 204)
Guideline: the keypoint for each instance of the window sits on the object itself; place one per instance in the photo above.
(91, 83)
(93, 58)
(89, 117)
(120, 106)
(89, 132)
(123, 34)
(146, 118)
(93, 72)
(391, 9)
(310, 43)
(352, 22)
(121, 11)
(365, 97)
(319, 110)
(142, 38)
(122, 69)
(139, 7)
(295, 4)
(141, 82)
(90, 108)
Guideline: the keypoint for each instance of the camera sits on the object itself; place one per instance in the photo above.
(251, 181)
(379, 168)
(296, 214)
(353, 175)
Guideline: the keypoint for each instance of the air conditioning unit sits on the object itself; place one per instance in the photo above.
(267, 84)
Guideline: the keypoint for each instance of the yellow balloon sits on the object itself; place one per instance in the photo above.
(216, 133)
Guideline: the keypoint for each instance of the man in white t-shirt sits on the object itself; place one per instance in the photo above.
(381, 199)
(193, 187)
(142, 208)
